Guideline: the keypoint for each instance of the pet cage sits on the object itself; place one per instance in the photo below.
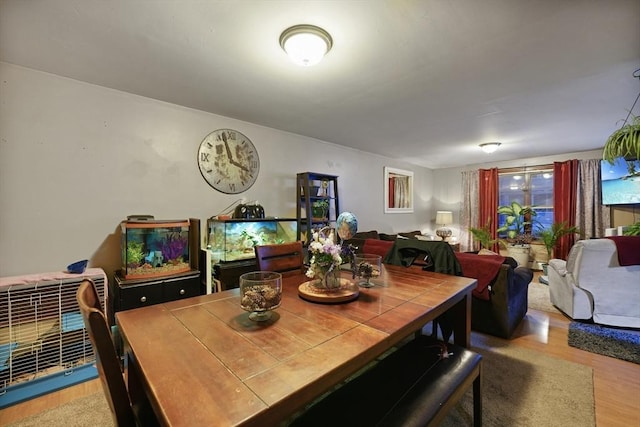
(43, 343)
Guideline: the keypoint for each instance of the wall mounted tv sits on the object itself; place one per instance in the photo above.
(620, 182)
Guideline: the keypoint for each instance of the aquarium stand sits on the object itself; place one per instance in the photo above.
(127, 294)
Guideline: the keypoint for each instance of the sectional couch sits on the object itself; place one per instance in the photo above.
(500, 299)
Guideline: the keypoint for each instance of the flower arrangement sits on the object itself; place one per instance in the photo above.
(326, 258)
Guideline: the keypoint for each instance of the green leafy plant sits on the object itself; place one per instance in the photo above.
(550, 236)
(517, 223)
(134, 253)
(633, 230)
(483, 236)
(624, 142)
(320, 208)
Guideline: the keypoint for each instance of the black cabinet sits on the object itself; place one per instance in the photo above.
(128, 294)
(229, 272)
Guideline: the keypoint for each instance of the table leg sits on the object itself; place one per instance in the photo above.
(461, 317)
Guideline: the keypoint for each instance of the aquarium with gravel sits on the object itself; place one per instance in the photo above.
(235, 239)
(155, 248)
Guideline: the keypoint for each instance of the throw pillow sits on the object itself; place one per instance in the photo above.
(377, 247)
(373, 234)
(388, 237)
(486, 252)
(410, 234)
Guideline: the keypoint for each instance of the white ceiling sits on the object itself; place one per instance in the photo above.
(421, 81)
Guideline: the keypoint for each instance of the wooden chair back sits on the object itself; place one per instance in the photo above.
(286, 259)
(107, 361)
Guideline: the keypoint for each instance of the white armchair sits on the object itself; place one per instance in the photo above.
(592, 284)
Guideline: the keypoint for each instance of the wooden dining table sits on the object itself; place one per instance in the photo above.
(202, 362)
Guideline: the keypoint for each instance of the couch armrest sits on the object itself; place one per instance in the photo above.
(508, 283)
(508, 305)
(559, 266)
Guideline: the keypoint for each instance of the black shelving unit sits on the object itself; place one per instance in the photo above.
(312, 187)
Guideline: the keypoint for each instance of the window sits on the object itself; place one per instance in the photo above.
(529, 188)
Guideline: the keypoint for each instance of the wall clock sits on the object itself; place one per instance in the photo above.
(228, 161)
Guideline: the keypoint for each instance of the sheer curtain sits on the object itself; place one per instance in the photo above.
(592, 217)
(401, 192)
(468, 208)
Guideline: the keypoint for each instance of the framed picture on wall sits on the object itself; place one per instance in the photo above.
(398, 190)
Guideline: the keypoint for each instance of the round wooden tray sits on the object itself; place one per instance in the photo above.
(348, 291)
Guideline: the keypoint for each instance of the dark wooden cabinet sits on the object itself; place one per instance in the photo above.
(128, 294)
(229, 272)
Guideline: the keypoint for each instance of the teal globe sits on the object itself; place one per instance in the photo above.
(347, 225)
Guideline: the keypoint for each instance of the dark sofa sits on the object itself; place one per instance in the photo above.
(507, 301)
(499, 302)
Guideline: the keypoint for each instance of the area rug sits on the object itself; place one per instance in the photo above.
(521, 387)
(91, 410)
(538, 297)
(620, 343)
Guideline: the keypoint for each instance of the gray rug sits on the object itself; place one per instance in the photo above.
(538, 297)
(521, 387)
(620, 343)
(92, 410)
(525, 388)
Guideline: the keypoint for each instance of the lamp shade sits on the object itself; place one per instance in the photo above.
(444, 217)
(306, 45)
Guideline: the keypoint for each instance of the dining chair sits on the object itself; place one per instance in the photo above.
(108, 362)
(286, 258)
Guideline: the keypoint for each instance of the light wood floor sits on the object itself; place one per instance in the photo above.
(616, 383)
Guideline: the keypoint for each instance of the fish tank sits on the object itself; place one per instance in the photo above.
(155, 248)
(234, 239)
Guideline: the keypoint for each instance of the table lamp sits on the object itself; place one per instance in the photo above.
(444, 218)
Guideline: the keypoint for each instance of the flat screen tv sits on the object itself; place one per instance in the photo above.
(620, 182)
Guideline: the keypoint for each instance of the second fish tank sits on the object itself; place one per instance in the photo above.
(234, 239)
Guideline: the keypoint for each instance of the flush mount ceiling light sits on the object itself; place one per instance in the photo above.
(490, 147)
(306, 45)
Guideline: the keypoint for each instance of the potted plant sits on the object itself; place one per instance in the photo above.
(633, 230)
(483, 236)
(517, 225)
(320, 208)
(624, 142)
(550, 236)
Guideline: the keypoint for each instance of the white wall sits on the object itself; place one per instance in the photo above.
(76, 159)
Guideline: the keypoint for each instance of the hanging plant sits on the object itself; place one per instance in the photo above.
(624, 142)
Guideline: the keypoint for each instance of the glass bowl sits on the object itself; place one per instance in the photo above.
(367, 267)
(260, 292)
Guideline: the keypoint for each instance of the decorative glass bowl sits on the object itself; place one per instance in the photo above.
(260, 292)
(367, 267)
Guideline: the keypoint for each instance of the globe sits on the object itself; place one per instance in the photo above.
(347, 225)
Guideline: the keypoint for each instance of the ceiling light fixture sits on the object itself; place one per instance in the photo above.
(490, 147)
(306, 45)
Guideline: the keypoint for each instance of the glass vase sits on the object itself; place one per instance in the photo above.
(328, 279)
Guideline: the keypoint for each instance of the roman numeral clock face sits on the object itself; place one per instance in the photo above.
(228, 161)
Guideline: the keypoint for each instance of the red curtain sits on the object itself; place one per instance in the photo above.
(488, 201)
(565, 185)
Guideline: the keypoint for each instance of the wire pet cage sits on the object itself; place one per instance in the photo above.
(43, 343)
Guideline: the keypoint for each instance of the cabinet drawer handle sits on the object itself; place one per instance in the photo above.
(181, 291)
(143, 299)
